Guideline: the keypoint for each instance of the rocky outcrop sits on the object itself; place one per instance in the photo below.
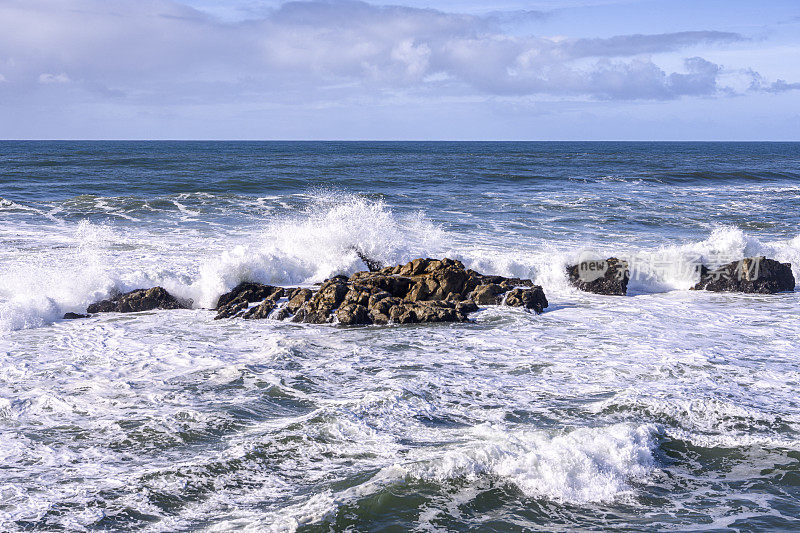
(424, 290)
(237, 302)
(75, 316)
(139, 300)
(609, 277)
(752, 275)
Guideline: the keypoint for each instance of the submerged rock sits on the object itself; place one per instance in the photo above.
(424, 290)
(139, 300)
(752, 275)
(609, 277)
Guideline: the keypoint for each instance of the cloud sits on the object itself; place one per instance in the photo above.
(781, 86)
(627, 45)
(49, 79)
(164, 51)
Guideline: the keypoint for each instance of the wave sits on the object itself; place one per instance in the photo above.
(675, 267)
(316, 242)
(708, 421)
(587, 465)
(324, 239)
(584, 466)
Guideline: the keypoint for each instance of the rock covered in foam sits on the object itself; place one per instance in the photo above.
(422, 291)
(608, 277)
(751, 275)
(139, 300)
(238, 300)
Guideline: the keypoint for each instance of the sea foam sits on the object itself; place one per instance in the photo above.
(86, 262)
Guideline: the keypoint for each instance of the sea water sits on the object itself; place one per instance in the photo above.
(667, 409)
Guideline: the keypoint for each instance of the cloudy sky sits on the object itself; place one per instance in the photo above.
(403, 69)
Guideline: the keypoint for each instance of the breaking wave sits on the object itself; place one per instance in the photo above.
(87, 261)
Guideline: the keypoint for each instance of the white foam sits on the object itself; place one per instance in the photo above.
(588, 465)
(323, 240)
(75, 265)
(582, 466)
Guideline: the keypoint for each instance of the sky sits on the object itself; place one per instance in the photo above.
(400, 70)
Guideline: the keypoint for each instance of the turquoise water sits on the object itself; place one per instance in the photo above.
(666, 409)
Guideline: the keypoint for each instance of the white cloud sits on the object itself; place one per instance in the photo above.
(49, 79)
(164, 51)
(2, 79)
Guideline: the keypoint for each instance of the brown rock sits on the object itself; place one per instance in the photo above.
(489, 294)
(609, 277)
(139, 300)
(751, 275)
(260, 311)
(353, 314)
(423, 290)
(298, 298)
(532, 298)
(249, 292)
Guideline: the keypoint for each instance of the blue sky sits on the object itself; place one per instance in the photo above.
(413, 69)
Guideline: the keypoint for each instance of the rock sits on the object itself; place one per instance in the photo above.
(331, 294)
(282, 313)
(359, 295)
(352, 314)
(488, 294)
(260, 311)
(609, 277)
(423, 290)
(75, 316)
(233, 303)
(532, 298)
(312, 315)
(297, 298)
(249, 292)
(466, 307)
(751, 275)
(232, 309)
(139, 300)
(436, 311)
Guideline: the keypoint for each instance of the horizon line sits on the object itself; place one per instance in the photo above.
(418, 140)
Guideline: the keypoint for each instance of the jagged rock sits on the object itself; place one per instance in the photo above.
(282, 313)
(352, 314)
(75, 316)
(139, 300)
(609, 277)
(297, 298)
(437, 311)
(489, 294)
(424, 290)
(260, 311)
(239, 299)
(752, 275)
(466, 307)
(532, 298)
(357, 295)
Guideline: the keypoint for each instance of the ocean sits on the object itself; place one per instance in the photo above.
(667, 409)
